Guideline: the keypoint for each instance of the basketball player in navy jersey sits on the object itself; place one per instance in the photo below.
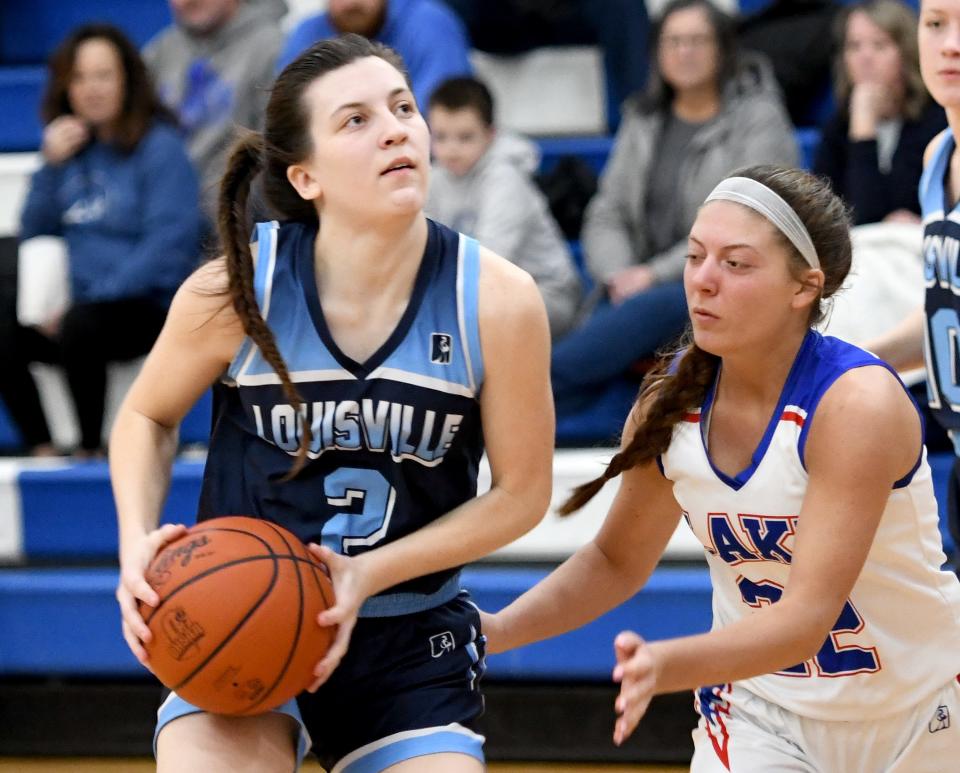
(797, 461)
(363, 358)
(930, 336)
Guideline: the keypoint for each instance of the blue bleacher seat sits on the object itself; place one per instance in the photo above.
(31, 30)
(69, 512)
(66, 622)
(9, 436)
(594, 150)
(194, 429)
(21, 89)
(808, 140)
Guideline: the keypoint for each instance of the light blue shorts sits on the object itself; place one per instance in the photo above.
(175, 707)
(371, 758)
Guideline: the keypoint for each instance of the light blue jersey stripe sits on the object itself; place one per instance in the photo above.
(469, 297)
(415, 743)
(392, 604)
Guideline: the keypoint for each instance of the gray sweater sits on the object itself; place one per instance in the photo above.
(498, 204)
(751, 128)
(215, 84)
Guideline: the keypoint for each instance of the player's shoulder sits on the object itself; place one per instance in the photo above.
(505, 284)
(870, 397)
(205, 295)
(933, 145)
(510, 306)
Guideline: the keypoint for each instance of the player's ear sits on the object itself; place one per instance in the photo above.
(810, 288)
(304, 182)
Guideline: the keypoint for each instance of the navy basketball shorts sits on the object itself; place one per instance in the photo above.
(409, 685)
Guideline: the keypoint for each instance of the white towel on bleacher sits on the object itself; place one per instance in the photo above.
(43, 280)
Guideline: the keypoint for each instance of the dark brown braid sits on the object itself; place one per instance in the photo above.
(669, 390)
(246, 160)
(665, 396)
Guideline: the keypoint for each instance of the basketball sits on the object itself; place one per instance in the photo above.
(235, 630)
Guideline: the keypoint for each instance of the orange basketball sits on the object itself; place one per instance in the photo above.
(235, 631)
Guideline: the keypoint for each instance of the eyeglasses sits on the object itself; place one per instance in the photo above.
(697, 40)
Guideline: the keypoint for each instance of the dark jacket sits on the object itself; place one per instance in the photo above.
(854, 171)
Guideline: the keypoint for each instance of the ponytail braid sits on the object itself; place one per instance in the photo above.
(669, 396)
(246, 159)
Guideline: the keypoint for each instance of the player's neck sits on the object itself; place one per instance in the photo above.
(749, 378)
(364, 262)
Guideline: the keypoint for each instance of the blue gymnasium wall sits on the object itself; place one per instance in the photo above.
(31, 29)
(63, 620)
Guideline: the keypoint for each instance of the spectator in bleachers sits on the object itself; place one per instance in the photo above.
(481, 185)
(117, 185)
(619, 27)
(795, 35)
(706, 111)
(428, 35)
(213, 66)
(872, 147)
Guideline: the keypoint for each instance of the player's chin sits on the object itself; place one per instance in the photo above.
(407, 200)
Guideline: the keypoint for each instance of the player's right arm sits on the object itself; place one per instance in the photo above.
(902, 346)
(198, 340)
(603, 573)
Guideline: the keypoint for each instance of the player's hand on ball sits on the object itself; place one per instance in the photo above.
(636, 673)
(351, 590)
(134, 561)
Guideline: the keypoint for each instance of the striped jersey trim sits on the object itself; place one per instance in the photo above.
(418, 379)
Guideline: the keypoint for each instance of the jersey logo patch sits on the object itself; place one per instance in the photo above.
(941, 719)
(441, 348)
(441, 644)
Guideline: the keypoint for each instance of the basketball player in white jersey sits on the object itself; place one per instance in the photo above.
(363, 360)
(797, 461)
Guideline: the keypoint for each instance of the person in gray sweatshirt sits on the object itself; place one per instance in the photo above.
(481, 186)
(706, 111)
(213, 67)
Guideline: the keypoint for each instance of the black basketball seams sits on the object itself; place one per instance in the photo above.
(299, 626)
(216, 650)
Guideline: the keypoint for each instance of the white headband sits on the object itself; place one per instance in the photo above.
(768, 203)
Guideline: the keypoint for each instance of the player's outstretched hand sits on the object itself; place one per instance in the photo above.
(133, 585)
(636, 673)
(350, 591)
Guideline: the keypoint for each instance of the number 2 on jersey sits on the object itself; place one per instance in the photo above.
(944, 326)
(833, 659)
(346, 487)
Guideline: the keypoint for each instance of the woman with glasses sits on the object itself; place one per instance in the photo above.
(705, 111)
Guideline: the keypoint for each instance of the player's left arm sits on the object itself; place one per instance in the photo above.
(516, 408)
(518, 427)
(865, 436)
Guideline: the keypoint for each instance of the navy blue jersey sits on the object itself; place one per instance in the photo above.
(396, 440)
(941, 245)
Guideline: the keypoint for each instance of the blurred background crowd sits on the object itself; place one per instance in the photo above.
(575, 138)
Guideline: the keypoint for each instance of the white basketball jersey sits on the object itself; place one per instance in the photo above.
(898, 636)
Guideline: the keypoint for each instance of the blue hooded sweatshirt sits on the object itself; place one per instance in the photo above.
(427, 34)
(131, 222)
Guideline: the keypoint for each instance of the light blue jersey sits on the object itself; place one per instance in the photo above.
(396, 440)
